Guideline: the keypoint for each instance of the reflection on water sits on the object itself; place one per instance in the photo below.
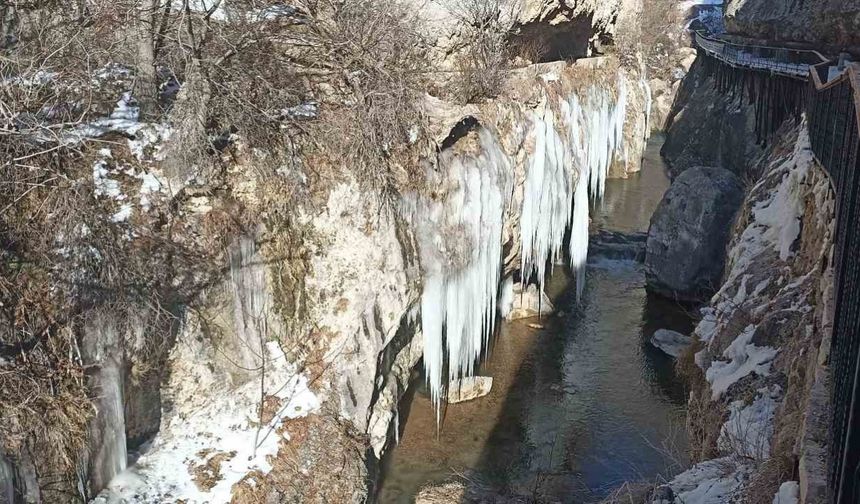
(577, 407)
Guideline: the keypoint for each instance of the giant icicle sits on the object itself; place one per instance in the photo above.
(460, 242)
(552, 202)
(460, 235)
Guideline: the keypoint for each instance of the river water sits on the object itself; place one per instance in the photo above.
(581, 402)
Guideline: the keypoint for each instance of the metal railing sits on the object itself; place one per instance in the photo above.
(793, 63)
(832, 111)
(832, 105)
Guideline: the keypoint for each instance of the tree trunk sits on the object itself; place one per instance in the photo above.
(146, 83)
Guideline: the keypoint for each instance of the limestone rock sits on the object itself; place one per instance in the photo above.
(670, 342)
(685, 251)
(469, 388)
(529, 303)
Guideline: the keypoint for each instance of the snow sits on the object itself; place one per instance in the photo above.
(227, 423)
(782, 213)
(789, 493)
(307, 110)
(744, 358)
(710, 482)
(707, 326)
(123, 214)
(749, 429)
(149, 185)
(104, 185)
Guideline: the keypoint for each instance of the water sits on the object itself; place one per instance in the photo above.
(578, 406)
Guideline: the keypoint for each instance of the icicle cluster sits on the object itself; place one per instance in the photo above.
(460, 242)
(566, 167)
(460, 235)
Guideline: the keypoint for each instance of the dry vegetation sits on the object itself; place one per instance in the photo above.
(334, 81)
(654, 38)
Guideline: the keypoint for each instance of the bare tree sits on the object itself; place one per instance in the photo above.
(146, 81)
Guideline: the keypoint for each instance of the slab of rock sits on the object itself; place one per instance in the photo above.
(670, 342)
(527, 304)
(686, 247)
(469, 388)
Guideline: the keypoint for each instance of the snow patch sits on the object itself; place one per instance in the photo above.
(782, 213)
(749, 429)
(744, 358)
(225, 424)
(710, 482)
(789, 493)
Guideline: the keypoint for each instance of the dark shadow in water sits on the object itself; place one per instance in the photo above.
(594, 404)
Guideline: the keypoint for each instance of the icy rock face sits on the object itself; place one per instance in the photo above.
(569, 143)
(689, 231)
(379, 290)
(763, 329)
(226, 437)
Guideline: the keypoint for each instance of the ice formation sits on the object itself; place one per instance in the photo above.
(460, 243)
(565, 169)
(460, 235)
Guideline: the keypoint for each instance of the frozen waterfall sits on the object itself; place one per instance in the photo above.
(565, 168)
(576, 139)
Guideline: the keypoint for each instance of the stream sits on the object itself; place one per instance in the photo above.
(581, 401)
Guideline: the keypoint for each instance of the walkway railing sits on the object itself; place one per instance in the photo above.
(831, 101)
(832, 113)
(793, 63)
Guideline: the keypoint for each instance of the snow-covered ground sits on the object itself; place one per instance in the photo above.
(764, 278)
(226, 427)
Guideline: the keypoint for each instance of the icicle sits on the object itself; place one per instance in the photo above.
(593, 140)
(460, 242)
(460, 236)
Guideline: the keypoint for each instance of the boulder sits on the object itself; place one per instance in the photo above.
(672, 343)
(516, 303)
(686, 246)
(469, 388)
